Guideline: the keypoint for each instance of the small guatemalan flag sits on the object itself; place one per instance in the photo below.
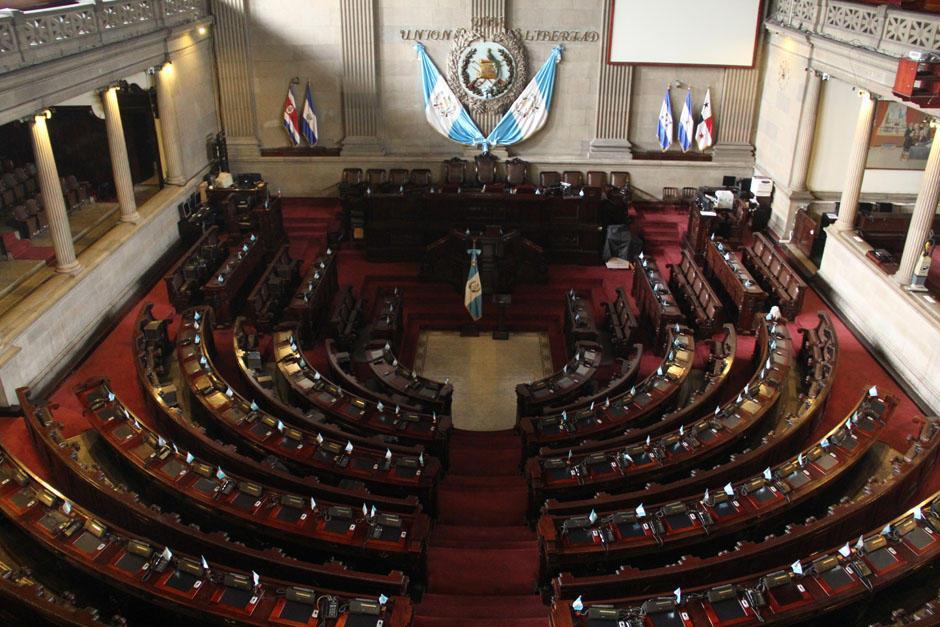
(473, 295)
(664, 129)
(308, 120)
(291, 124)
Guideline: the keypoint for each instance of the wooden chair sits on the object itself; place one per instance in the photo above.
(453, 174)
(671, 196)
(398, 177)
(485, 165)
(351, 176)
(421, 177)
(549, 179)
(375, 177)
(596, 179)
(517, 172)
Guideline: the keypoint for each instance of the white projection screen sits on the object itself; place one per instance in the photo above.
(684, 32)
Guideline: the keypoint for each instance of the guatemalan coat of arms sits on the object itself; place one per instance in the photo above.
(487, 72)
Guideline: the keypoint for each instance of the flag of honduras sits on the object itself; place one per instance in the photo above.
(473, 294)
(308, 119)
(290, 117)
(686, 123)
(664, 129)
(441, 107)
(529, 112)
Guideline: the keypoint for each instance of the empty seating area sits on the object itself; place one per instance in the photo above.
(779, 280)
(21, 204)
(185, 280)
(620, 323)
(696, 297)
(276, 286)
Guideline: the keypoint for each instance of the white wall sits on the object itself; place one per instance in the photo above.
(196, 104)
(835, 126)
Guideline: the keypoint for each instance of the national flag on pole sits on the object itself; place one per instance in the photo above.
(473, 295)
(530, 110)
(686, 123)
(703, 132)
(308, 120)
(291, 124)
(442, 108)
(664, 128)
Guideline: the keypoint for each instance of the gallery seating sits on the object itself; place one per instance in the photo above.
(696, 297)
(768, 265)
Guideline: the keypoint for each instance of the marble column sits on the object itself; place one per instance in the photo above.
(735, 113)
(120, 166)
(169, 129)
(233, 63)
(852, 186)
(924, 211)
(360, 89)
(51, 189)
(806, 133)
(614, 87)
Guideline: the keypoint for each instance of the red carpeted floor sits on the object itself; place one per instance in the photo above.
(483, 559)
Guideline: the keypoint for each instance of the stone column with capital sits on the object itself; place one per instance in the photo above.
(169, 130)
(614, 87)
(858, 156)
(54, 203)
(925, 209)
(360, 85)
(120, 167)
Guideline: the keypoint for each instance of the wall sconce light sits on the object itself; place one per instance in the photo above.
(824, 76)
(202, 30)
(46, 113)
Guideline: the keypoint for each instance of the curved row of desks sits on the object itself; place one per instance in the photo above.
(653, 394)
(306, 451)
(215, 495)
(76, 471)
(158, 377)
(664, 528)
(774, 446)
(168, 580)
(816, 583)
(878, 499)
(678, 451)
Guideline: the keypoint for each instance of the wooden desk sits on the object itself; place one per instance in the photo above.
(655, 301)
(224, 292)
(563, 385)
(738, 284)
(579, 320)
(700, 227)
(310, 305)
(400, 380)
(398, 227)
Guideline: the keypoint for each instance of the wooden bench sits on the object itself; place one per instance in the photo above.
(620, 323)
(184, 280)
(275, 287)
(775, 275)
(696, 297)
(346, 318)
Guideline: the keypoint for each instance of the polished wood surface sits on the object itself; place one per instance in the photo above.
(737, 283)
(656, 303)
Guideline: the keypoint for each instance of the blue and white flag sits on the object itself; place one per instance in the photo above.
(473, 294)
(308, 119)
(441, 107)
(664, 128)
(686, 123)
(529, 112)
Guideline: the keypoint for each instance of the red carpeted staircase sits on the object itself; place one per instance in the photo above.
(307, 225)
(483, 560)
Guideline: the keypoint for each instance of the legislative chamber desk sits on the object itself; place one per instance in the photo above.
(398, 227)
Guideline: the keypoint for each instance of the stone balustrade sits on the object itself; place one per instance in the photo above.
(31, 37)
(890, 31)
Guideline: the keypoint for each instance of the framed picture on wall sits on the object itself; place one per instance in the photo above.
(900, 138)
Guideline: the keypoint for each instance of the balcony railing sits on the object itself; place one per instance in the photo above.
(31, 37)
(894, 32)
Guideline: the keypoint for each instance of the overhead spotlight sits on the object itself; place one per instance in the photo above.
(824, 76)
(202, 30)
